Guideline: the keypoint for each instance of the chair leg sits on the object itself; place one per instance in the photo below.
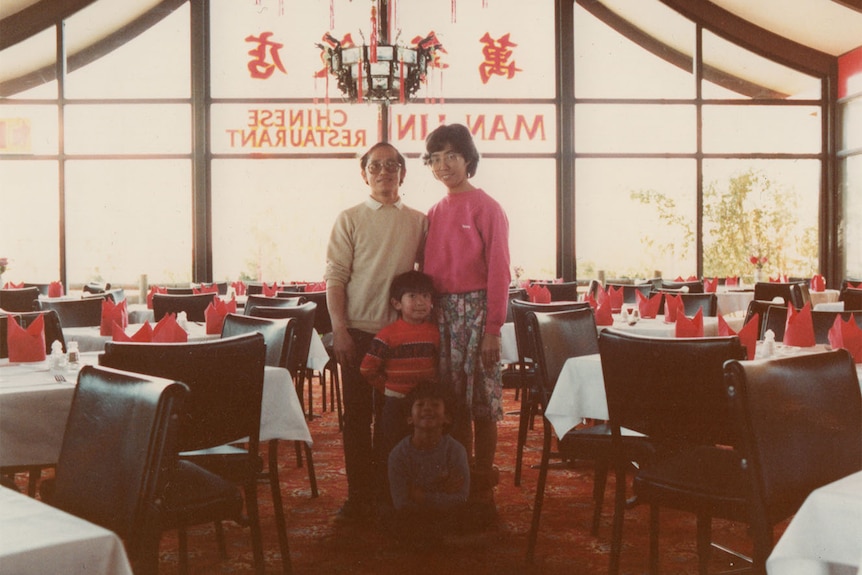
(312, 476)
(280, 521)
(704, 545)
(619, 512)
(540, 494)
(336, 378)
(220, 542)
(253, 512)
(34, 474)
(310, 412)
(183, 551)
(653, 539)
(523, 421)
(600, 478)
(298, 448)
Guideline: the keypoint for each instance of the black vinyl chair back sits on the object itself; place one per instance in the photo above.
(302, 333)
(515, 293)
(776, 320)
(799, 420)
(790, 292)
(84, 312)
(194, 305)
(96, 288)
(19, 299)
(824, 320)
(118, 449)
(630, 291)
(691, 302)
(225, 377)
(53, 330)
(254, 301)
(179, 290)
(562, 291)
(220, 286)
(43, 288)
(759, 307)
(322, 321)
(852, 298)
(670, 389)
(694, 286)
(520, 309)
(277, 334)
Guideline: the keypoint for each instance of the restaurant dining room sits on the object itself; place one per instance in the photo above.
(425, 286)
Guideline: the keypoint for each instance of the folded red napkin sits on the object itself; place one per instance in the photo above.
(678, 279)
(686, 327)
(539, 294)
(673, 307)
(12, 285)
(710, 286)
(747, 335)
(315, 286)
(857, 286)
(799, 329)
(167, 330)
(818, 283)
(55, 289)
(731, 281)
(215, 313)
(847, 335)
(238, 287)
(691, 279)
(113, 313)
(270, 291)
(26, 344)
(780, 278)
(647, 306)
(154, 290)
(615, 295)
(604, 313)
(143, 335)
(592, 301)
(205, 289)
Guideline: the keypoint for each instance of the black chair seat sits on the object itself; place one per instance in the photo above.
(195, 495)
(228, 461)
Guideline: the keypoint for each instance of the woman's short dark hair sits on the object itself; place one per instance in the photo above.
(461, 141)
(412, 281)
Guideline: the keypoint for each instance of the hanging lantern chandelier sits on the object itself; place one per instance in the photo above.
(380, 71)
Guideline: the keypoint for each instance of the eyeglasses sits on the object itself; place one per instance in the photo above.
(448, 158)
(390, 166)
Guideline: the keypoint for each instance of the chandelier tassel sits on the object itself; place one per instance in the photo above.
(359, 81)
(372, 47)
(401, 97)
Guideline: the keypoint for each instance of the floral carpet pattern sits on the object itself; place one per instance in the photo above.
(320, 544)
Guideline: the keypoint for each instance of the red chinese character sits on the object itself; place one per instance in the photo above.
(258, 66)
(497, 54)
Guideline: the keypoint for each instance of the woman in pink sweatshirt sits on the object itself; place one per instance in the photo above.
(467, 254)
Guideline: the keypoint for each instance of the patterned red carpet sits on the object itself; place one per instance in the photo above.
(319, 545)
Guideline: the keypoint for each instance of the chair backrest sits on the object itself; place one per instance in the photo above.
(562, 291)
(53, 330)
(220, 286)
(776, 320)
(19, 299)
(82, 312)
(758, 307)
(520, 309)
(171, 290)
(799, 420)
(694, 286)
(322, 321)
(43, 288)
(824, 320)
(515, 293)
(556, 337)
(298, 353)
(96, 287)
(277, 334)
(692, 302)
(787, 291)
(630, 290)
(118, 448)
(671, 389)
(852, 298)
(194, 305)
(254, 301)
(224, 376)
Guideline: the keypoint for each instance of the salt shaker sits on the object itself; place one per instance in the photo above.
(57, 360)
(769, 343)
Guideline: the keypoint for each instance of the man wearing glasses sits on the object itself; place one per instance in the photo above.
(370, 244)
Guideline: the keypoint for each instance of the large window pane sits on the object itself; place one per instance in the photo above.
(127, 218)
(153, 64)
(128, 129)
(765, 129)
(761, 207)
(635, 217)
(635, 128)
(850, 124)
(29, 129)
(852, 189)
(29, 229)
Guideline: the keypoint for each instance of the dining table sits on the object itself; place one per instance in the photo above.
(34, 407)
(38, 538)
(825, 535)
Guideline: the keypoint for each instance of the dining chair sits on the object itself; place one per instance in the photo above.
(254, 301)
(758, 307)
(852, 298)
(824, 320)
(84, 312)
(19, 299)
(799, 421)
(557, 337)
(323, 327)
(672, 391)
(175, 290)
(53, 329)
(225, 379)
(775, 320)
(297, 363)
(43, 288)
(220, 286)
(691, 302)
(194, 305)
(768, 291)
(526, 369)
(561, 291)
(118, 455)
(95, 287)
(630, 291)
(694, 286)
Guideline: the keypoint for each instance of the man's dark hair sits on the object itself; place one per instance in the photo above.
(461, 141)
(411, 281)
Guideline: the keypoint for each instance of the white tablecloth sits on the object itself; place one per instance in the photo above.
(656, 327)
(38, 538)
(732, 301)
(825, 535)
(34, 409)
(509, 352)
(826, 296)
